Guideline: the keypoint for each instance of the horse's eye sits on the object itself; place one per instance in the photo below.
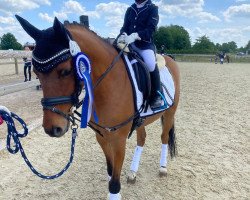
(65, 72)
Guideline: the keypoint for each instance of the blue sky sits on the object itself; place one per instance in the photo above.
(220, 20)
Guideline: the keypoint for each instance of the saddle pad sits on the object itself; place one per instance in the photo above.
(168, 89)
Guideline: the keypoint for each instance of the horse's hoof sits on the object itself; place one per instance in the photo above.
(131, 177)
(114, 196)
(163, 171)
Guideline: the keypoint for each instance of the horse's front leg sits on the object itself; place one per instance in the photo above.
(118, 144)
(105, 145)
(141, 138)
(113, 147)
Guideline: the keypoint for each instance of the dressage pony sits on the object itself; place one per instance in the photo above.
(112, 92)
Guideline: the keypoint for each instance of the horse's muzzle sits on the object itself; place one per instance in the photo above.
(56, 131)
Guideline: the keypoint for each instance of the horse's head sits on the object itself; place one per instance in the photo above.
(53, 66)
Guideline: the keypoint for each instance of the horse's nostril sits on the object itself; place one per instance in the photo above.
(57, 131)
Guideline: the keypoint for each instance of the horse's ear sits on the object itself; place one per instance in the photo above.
(34, 32)
(60, 29)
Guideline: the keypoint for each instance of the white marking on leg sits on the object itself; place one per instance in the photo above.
(164, 155)
(114, 196)
(136, 159)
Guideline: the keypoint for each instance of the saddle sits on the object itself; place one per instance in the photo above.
(139, 76)
(142, 73)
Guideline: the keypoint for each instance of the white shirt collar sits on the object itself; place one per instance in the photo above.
(141, 5)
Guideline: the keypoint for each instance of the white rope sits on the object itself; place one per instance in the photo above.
(5, 109)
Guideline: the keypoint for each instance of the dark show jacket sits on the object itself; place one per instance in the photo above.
(142, 21)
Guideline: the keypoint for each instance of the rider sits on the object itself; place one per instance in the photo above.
(140, 23)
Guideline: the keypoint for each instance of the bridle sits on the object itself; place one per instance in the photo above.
(49, 103)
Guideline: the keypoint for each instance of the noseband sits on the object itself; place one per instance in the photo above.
(50, 103)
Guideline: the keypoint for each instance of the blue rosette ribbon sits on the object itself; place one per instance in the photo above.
(83, 71)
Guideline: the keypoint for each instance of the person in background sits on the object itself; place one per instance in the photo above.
(27, 66)
(162, 50)
(140, 23)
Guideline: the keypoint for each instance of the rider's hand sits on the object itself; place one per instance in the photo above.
(121, 38)
(132, 38)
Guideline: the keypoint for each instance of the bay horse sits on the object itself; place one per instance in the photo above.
(113, 97)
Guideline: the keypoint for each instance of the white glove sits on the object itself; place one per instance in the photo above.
(121, 38)
(132, 38)
(123, 47)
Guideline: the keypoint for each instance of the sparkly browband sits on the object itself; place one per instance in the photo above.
(49, 64)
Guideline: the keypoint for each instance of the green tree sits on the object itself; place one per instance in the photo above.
(225, 47)
(248, 46)
(232, 46)
(163, 37)
(8, 41)
(173, 37)
(218, 47)
(229, 47)
(180, 37)
(241, 49)
(204, 45)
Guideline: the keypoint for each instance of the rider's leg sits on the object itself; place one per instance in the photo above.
(156, 99)
(148, 56)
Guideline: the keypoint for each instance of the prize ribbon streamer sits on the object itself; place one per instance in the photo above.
(83, 69)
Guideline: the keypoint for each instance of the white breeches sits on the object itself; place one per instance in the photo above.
(147, 55)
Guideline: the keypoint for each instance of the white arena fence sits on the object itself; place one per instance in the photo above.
(11, 57)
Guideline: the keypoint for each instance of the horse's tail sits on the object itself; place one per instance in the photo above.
(171, 141)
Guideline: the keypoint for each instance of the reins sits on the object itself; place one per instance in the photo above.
(115, 60)
(91, 123)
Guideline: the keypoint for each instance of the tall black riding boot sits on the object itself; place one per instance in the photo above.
(156, 100)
